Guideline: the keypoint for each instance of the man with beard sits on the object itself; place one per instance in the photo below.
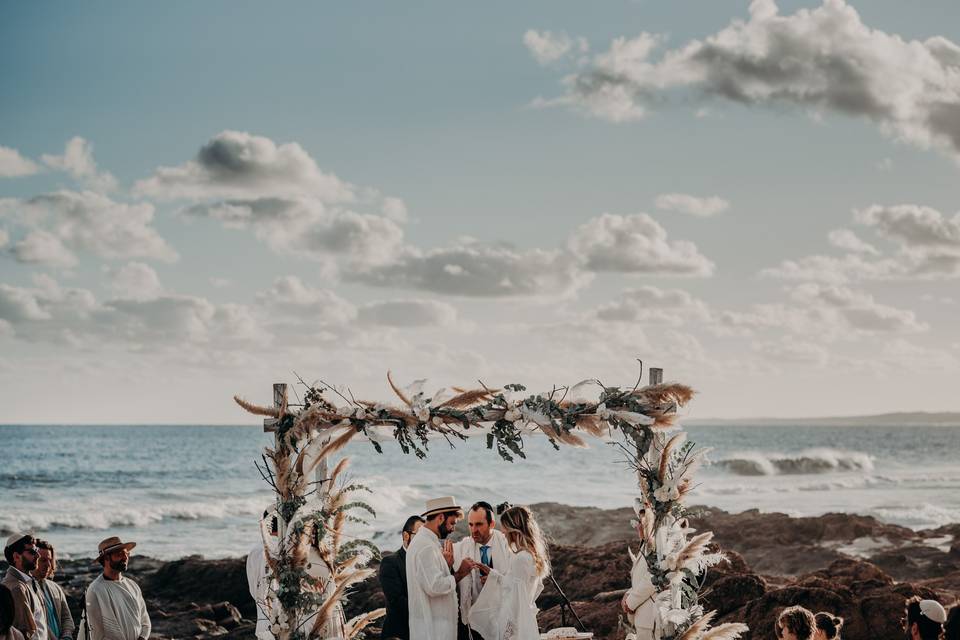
(486, 545)
(431, 588)
(29, 616)
(115, 606)
(59, 620)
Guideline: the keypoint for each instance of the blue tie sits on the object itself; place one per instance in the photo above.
(485, 556)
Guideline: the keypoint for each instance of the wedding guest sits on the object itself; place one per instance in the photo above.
(29, 614)
(795, 623)
(828, 626)
(951, 631)
(393, 581)
(924, 619)
(431, 589)
(485, 545)
(257, 581)
(7, 630)
(60, 624)
(507, 607)
(115, 606)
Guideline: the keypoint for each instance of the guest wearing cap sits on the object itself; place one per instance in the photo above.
(431, 587)
(59, 620)
(29, 614)
(393, 581)
(924, 619)
(485, 545)
(115, 606)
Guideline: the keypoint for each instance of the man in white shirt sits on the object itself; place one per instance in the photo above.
(486, 545)
(115, 606)
(431, 587)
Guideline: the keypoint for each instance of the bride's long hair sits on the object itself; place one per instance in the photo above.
(524, 534)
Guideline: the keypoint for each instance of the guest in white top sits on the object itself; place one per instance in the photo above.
(506, 608)
(485, 545)
(115, 606)
(258, 578)
(431, 587)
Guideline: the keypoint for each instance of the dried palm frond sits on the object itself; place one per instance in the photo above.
(337, 470)
(698, 628)
(359, 623)
(661, 394)
(397, 391)
(256, 409)
(561, 436)
(323, 614)
(336, 443)
(667, 452)
(466, 399)
(591, 424)
(693, 549)
(728, 631)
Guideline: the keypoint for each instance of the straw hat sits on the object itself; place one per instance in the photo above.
(111, 544)
(439, 505)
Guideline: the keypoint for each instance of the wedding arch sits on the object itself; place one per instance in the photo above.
(314, 503)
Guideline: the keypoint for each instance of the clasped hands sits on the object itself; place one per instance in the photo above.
(466, 565)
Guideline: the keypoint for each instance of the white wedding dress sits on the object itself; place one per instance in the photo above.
(506, 608)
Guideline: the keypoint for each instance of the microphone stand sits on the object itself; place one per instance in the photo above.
(564, 605)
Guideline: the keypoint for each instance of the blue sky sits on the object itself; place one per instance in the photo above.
(480, 143)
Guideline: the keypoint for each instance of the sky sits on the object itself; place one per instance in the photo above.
(200, 199)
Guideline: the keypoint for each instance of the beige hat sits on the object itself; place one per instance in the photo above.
(439, 505)
(933, 610)
(15, 538)
(111, 544)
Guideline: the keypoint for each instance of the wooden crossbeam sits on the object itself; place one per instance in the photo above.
(279, 395)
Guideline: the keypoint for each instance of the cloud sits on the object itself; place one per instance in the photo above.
(235, 164)
(913, 226)
(789, 349)
(547, 47)
(66, 221)
(13, 165)
(309, 228)
(684, 203)
(4, 238)
(77, 160)
(849, 241)
(859, 310)
(289, 297)
(635, 244)
(477, 270)
(135, 281)
(408, 313)
(822, 59)
(668, 306)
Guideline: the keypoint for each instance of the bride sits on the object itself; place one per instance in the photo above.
(506, 609)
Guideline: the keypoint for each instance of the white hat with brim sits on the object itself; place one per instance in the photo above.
(15, 538)
(933, 610)
(440, 505)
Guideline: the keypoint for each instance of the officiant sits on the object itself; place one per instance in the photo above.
(485, 545)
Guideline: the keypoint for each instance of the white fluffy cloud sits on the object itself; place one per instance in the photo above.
(648, 303)
(298, 302)
(696, 206)
(816, 59)
(60, 223)
(235, 164)
(408, 313)
(859, 310)
(13, 165)
(135, 281)
(635, 244)
(77, 160)
(547, 47)
(847, 240)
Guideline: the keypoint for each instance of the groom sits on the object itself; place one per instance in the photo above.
(486, 545)
(431, 587)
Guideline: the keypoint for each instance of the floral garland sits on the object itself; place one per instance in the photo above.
(638, 419)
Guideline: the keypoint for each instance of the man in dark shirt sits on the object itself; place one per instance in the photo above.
(393, 581)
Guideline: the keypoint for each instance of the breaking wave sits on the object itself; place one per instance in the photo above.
(810, 461)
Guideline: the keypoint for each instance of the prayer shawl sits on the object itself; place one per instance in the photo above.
(116, 610)
(431, 590)
(470, 585)
(64, 621)
(29, 609)
(506, 608)
(257, 582)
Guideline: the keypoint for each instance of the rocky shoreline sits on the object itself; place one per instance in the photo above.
(852, 565)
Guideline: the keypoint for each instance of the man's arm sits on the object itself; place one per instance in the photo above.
(145, 625)
(392, 583)
(432, 573)
(94, 616)
(67, 627)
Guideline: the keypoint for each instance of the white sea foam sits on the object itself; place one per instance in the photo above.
(808, 461)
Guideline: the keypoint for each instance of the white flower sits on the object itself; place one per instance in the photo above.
(360, 414)
(437, 421)
(422, 412)
(666, 492)
(512, 414)
(602, 411)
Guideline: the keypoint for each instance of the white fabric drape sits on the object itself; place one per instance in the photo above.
(470, 585)
(506, 608)
(431, 589)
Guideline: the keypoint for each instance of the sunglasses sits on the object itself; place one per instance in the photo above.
(30, 550)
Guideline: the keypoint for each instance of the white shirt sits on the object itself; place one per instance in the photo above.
(470, 585)
(431, 589)
(116, 610)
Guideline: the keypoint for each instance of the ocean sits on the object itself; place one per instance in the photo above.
(181, 490)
